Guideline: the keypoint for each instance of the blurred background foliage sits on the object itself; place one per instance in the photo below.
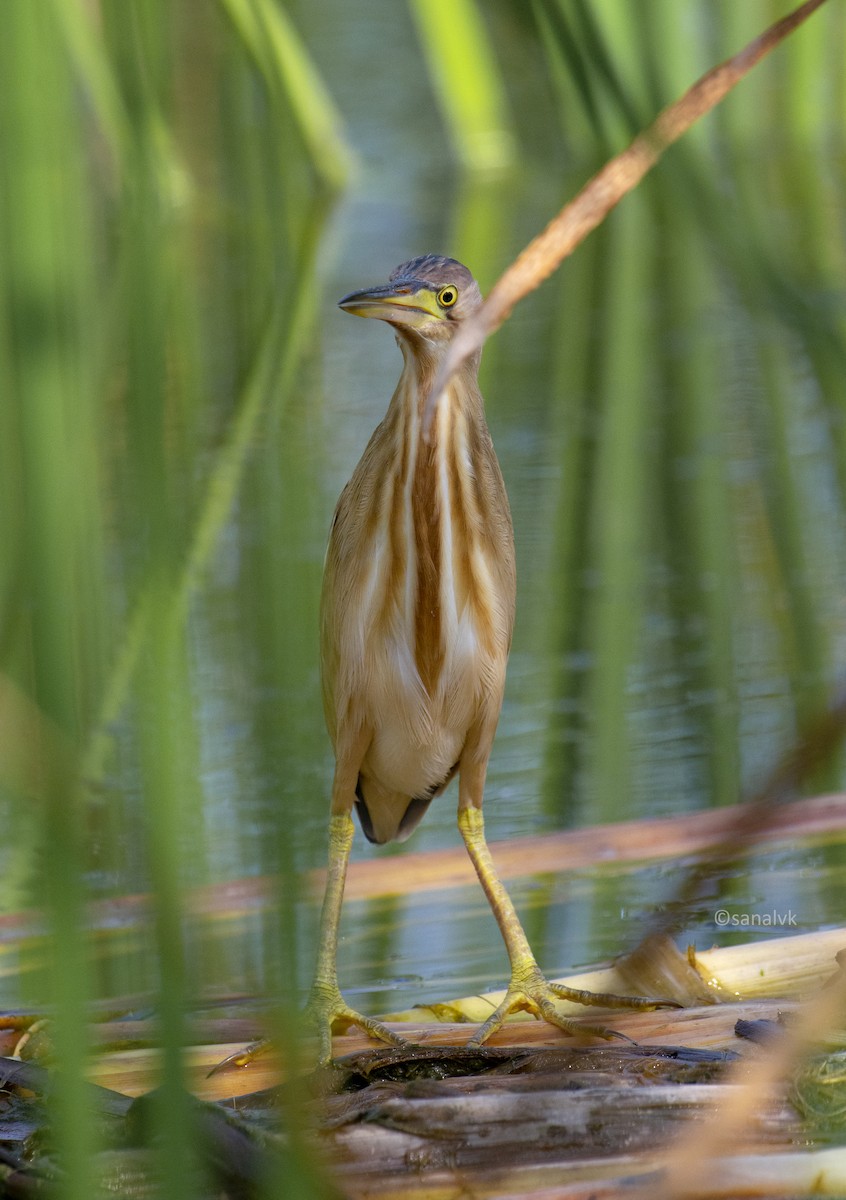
(185, 190)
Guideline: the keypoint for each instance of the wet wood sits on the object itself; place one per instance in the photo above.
(816, 1172)
(775, 967)
(786, 968)
(537, 1113)
(136, 1071)
(496, 1131)
(520, 1118)
(779, 967)
(235, 1160)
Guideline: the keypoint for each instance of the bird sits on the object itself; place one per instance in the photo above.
(416, 620)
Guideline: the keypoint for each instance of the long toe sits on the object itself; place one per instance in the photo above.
(539, 999)
(611, 999)
(338, 1017)
(529, 991)
(328, 1011)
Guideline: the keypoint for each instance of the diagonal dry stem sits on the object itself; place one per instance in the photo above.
(589, 208)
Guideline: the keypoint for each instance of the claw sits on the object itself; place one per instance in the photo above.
(242, 1057)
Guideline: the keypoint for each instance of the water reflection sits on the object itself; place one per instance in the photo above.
(653, 669)
(665, 412)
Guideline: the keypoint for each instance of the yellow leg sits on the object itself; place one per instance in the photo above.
(326, 1005)
(529, 990)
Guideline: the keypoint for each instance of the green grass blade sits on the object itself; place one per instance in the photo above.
(93, 70)
(270, 37)
(272, 371)
(46, 286)
(467, 81)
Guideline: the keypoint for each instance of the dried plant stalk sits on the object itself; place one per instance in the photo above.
(782, 967)
(589, 208)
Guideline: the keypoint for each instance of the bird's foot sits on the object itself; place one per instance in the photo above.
(530, 991)
(329, 1012)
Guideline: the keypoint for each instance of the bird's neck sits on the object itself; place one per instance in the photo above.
(430, 474)
(422, 362)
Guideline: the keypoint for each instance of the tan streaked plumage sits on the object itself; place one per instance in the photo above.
(416, 620)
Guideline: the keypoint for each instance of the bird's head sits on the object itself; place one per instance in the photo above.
(428, 297)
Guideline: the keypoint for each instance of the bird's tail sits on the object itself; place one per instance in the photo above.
(387, 816)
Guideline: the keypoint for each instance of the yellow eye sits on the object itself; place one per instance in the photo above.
(447, 296)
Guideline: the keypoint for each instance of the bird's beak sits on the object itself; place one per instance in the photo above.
(403, 302)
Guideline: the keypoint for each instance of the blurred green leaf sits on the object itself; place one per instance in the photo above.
(270, 37)
(467, 81)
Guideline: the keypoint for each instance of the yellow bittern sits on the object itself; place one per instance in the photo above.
(416, 619)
